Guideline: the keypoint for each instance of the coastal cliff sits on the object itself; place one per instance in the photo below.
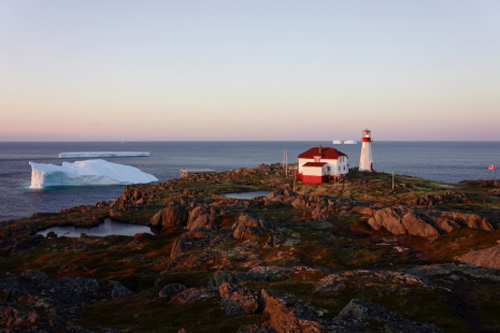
(360, 255)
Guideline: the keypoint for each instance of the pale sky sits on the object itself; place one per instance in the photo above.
(249, 70)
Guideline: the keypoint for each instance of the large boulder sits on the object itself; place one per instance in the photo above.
(202, 216)
(251, 227)
(401, 220)
(171, 215)
(237, 299)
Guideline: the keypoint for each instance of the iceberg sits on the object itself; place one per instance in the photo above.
(91, 154)
(85, 173)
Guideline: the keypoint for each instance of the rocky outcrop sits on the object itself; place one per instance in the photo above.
(401, 220)
(69, 292)
(237, 299)
(12, 318)
(202, 216)
(251, 227)
(453, 272)
(286, 314)
(472, 221)
(172, 215)
(183, 244)
(489, 257)
(440, 199)
(337, 281)
(28, 244)
(196, 239)
(171, 290)
(247, 227)
(404, 220)
(192, 295)
(118, 290)
(132, 195)
(359, 315)
(318, 207)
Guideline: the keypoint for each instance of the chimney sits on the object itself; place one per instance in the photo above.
(320, 149)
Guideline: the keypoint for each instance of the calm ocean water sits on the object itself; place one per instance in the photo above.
(443, 161)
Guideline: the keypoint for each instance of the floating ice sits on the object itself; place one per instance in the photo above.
(84, 173)
(90, 154)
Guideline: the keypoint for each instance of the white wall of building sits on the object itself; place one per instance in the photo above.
(314, 171)
(337, 167)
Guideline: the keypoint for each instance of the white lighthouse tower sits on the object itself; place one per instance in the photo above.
(366, 159)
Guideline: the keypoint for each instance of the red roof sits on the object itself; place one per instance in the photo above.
(314, 164)
(324, 153)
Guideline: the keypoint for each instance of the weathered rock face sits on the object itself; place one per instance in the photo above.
(489, 257)
(172, 215)
(237, 299)
(288, 315)
(251, 227)
(202, 216)
(472, 221)
(247, 227)
(403, 220)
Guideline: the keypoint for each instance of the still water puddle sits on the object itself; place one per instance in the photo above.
(246, 195)
(107, 228)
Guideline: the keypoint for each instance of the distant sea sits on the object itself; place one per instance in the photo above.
(443, 161)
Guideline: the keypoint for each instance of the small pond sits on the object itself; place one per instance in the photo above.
(246, 195)
(107, 228)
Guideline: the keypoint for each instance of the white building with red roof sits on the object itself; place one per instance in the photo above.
(322, 164)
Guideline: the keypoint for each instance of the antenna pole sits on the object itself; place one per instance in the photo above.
(286, 162)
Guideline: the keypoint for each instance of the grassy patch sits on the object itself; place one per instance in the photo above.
(158, 315)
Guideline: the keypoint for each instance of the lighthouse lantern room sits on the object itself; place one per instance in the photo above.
(366, 160)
